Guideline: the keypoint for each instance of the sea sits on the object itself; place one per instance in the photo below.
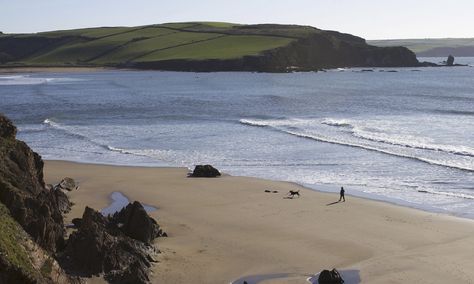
(399, 135)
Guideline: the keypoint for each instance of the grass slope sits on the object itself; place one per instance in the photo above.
(432, 47)
(12, 252)
(120, 45)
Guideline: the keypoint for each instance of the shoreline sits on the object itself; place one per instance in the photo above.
(321, 188)
(228, 228)
(6, 70)
(25, 70)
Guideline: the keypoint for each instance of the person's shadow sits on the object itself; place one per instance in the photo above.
(329, 204)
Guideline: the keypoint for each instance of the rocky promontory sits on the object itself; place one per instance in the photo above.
(34, 247)
(201, 47)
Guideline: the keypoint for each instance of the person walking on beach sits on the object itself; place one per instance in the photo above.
(342, 195)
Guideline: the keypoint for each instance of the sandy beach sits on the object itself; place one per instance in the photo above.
(227, 228)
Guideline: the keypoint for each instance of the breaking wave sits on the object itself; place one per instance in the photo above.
(348, 133)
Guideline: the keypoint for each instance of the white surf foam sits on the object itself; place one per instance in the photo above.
(28, 80)
(308, 128)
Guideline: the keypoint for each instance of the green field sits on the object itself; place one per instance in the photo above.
(112, 46)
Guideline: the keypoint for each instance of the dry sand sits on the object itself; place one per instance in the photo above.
(225, 228)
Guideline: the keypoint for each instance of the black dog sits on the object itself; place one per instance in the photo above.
(293, 193)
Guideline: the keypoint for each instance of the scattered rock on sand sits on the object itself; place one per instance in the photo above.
(330, 277)
(205, 171)
(137, 224)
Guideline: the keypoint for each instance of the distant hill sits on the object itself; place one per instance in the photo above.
(199, 46)
(459, 47)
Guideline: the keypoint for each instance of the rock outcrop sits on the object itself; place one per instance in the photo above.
(32, 234)
(116, 246)
(205, 171)
(450, 60)
(22, 191)
(66, 183)
(330, 277)
(135, 223)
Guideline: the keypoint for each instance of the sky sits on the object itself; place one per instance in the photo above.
(370, 19)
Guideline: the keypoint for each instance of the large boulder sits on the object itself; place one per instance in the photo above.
(205, 171)
(330, 277)
(103, 245)
(134, 222)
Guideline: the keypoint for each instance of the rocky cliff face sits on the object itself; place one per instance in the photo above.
(121, 246)
(327, 49)
(23, 192)
(26, 206)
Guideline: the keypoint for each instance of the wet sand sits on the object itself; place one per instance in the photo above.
(228, 228)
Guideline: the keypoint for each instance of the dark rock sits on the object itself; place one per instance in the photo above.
(100, 245)
(7, 129)
(450, 60)
(77, 222)
(205, 171)
(136, 223)
(62, 201)
(23, 192)
(330, 277)
(67, 183)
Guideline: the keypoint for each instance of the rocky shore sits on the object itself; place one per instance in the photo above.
(120, 247)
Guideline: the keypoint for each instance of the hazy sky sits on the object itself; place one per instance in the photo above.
(371, 19)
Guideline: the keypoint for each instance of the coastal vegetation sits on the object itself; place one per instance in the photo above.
(199, 46)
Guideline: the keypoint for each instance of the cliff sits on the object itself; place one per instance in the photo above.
(31, 227)
(23, 192)
(33, 247)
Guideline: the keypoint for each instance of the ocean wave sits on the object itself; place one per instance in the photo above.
(455, 112)
(27, 80)
(289, 126)
(393, 153)
(398, 140)
(181, 158)
(72, 131)
(337, 122)
(449, 194)
(411, 142)
(262, 122)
